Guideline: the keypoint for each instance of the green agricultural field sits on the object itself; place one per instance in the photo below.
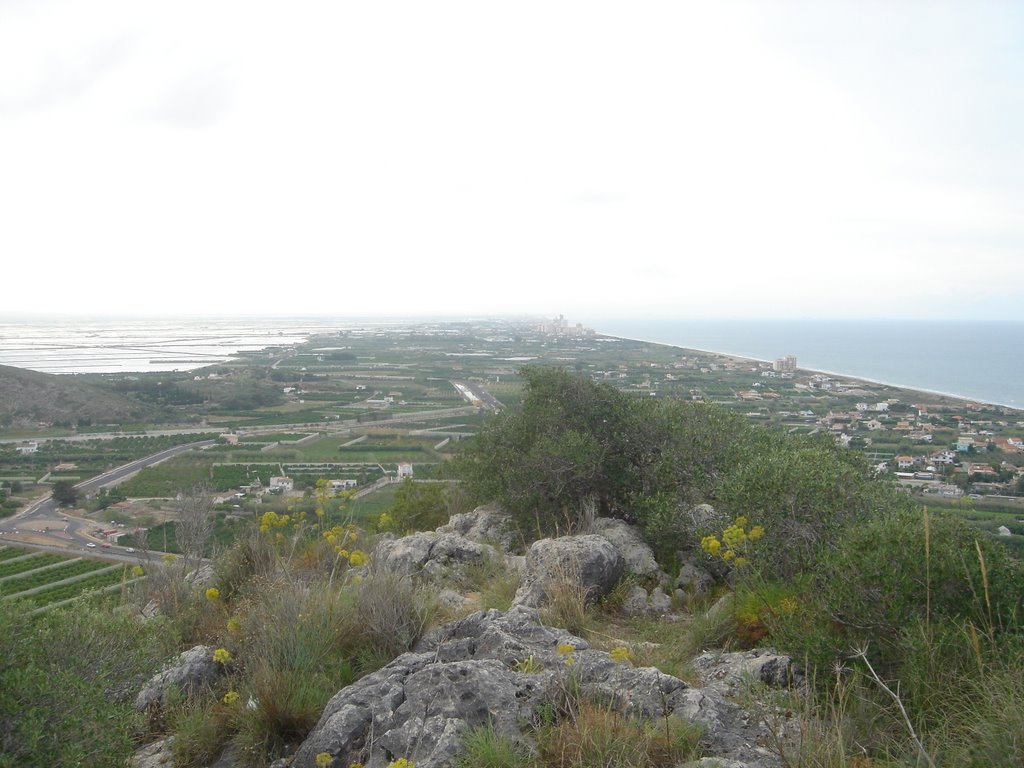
(9, 553)
(41, 576)
(25, 560)
(51, 578)
(168, 478)
(987, 516)
(163, 537)
(79, 588)
(367, 509)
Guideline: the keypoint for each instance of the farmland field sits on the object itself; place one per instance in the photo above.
(41, 579)
(25, 561)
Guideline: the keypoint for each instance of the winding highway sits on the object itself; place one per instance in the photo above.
(42, 525)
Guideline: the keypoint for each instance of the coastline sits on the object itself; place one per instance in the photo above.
(849, 376)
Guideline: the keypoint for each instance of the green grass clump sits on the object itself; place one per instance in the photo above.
(595, 735)
(485, 748)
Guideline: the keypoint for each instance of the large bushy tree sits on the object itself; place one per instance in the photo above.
(575, 442)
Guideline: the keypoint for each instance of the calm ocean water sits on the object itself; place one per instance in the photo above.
(977, 360)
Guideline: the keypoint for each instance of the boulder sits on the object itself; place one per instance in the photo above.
(733, 672)
(193, 671)
(659, 602)
(159, 754)
(590, 563)
(488, 524)
(635, 603)
(470, 673)
(638, 556)
(639, 603)
(431, 553)
(202, 577)
(704, 516)
(693, 580)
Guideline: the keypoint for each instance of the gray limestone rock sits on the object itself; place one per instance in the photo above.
(660, 602)
(638, 556)
(431, 553)
(591, 563)
(732, 672)
(201, 577)
(471, 672)
(488, 524)
(193, 671)
(694, 580)
(635, 603)
(156, 755)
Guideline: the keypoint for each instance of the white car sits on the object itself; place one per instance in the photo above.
(90, 544)
(130, 549)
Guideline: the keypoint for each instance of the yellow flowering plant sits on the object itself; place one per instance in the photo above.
(736, 542)
(222, 655)
(621, 654)
(271, 522)
(565, 651)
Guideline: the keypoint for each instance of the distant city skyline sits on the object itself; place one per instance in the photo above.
(735, 159)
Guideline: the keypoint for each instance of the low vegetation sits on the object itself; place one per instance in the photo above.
(909, 622)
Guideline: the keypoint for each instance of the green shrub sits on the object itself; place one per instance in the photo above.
(248, 556)
(67, 681)
(878, 583)
(805, 493)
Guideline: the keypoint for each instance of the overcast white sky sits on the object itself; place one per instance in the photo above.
(722, 159)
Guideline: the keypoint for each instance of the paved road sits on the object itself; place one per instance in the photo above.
(43, 525)
(477, 395)
(77, 438)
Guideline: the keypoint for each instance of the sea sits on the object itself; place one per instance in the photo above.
(975, 360)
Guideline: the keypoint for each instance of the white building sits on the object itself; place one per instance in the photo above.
(27, 448)
(284, 483)
(404, 470)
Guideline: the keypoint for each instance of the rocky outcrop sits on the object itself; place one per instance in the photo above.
(693, 580)
(488, 524)
(159, 754)
(589, 563)
(193, 671)
(628, 539)
(731, 673)
(639, 603)
(475, 671)
(432, 554)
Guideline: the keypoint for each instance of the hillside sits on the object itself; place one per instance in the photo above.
(29, 397)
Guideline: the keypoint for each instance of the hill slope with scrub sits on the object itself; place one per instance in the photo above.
(652, 583)
(28, 398)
